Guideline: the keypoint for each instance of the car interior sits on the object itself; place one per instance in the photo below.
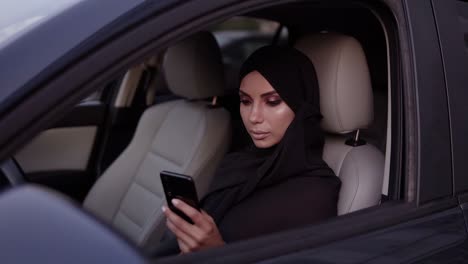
(188, 135)
(178, 110)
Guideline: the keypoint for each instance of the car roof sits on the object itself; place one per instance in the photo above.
(59, 38)
(16, 18)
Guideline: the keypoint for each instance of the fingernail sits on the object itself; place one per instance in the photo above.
(175, 201)
(163, 208)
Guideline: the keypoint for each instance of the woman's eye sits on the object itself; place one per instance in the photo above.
(245, 102)
(274, 102)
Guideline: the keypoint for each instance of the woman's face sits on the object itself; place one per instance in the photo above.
(265, 115)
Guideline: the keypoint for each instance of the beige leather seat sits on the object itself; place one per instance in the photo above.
(185, 136)
(346, 103)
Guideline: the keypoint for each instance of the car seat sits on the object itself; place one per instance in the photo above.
(188, 136)
(346, 103)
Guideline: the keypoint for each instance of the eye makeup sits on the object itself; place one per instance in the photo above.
(270, 98)
(273, 100)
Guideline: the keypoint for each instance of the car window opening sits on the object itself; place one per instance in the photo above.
(152, 95)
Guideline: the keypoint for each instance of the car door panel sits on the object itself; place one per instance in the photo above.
(397, 232)
(58, 149)
(399, 244)
(452, 24)
(431, 106)
(62, 156)
(40, 227)
(457, 253)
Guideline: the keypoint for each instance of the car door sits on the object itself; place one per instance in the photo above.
(441, 235)
(421, 156)
(73, 152)
(428, 225)
(64, 156)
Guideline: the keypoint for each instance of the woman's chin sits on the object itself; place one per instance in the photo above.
(263, 143)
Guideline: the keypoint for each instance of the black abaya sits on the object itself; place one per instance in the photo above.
(260, 191)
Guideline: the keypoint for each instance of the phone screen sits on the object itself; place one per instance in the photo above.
(180, 187)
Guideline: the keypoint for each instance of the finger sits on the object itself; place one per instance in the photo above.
(188, 210)
(188, 240)
(191, 230)
(208, 224)
(201, 220)
(207, 216)
(183, 247)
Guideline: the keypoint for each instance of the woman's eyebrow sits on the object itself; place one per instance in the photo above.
(268, 94)
(262, 95)
(244, 93)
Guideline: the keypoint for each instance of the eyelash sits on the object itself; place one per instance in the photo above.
(271, 103)
(245, 101)
(274, 102)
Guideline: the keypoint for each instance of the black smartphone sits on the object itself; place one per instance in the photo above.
(182, 187)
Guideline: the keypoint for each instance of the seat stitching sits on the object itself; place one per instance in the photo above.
(348, 150)
(208, 159)
(126, 215)
(358, 182)
(141, 161)
(146, 188)
(203, 120)
(160, 155)
(153, 228)
(155, 151)
(154, 210)
(338, 117)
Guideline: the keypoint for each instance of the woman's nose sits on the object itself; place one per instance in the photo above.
(256, 114)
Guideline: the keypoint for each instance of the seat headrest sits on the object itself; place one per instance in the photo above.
(193, 68)
(346, 100)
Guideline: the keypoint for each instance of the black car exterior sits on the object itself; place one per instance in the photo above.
(95, 41)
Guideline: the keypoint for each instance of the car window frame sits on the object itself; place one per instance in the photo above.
(455, 55)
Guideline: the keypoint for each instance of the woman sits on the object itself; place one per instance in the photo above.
(281, 181)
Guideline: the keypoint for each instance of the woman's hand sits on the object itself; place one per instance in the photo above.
(201, 235)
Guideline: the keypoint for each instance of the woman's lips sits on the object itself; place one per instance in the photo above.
(259, 135)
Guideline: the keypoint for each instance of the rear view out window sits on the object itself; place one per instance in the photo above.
(240, 36)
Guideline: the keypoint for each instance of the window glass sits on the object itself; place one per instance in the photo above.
(94, 97)
(239, 37)
(17, 17)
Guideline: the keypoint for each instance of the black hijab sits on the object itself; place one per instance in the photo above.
(299, 153)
